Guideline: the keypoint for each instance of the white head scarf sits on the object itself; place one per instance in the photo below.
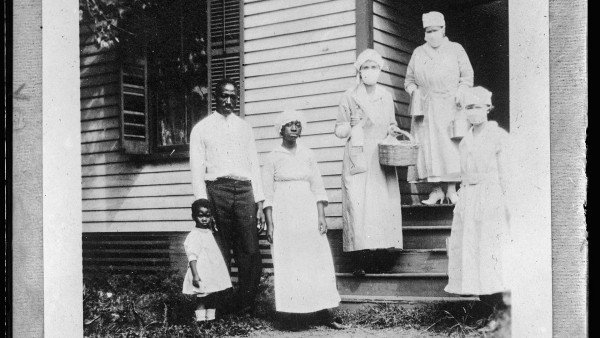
(289, 116)
(477, 95)
(433, 19)
(366, 55)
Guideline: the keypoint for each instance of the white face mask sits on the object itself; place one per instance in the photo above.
(477, 115)
(370, 76)
(435, 39)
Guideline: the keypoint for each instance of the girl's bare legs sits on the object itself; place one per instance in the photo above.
(200, 310)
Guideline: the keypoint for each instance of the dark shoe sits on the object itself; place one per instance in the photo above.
(246, 310)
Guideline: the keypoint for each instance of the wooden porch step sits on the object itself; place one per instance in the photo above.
(425, 237)
(414, 237)
(393, 285)
(406, 299)
(406, 261)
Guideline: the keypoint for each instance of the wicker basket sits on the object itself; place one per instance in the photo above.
(396, 153)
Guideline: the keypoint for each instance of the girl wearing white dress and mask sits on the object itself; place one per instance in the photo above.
(478, 245)
(295, 201)
(371, 207)
(438, 73)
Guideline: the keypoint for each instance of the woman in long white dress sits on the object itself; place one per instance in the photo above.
(371, 207)
(295, 201)
(479, 241)
(438, 73)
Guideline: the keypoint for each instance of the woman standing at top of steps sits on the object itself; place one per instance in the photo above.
(438, 73)
(371, 210)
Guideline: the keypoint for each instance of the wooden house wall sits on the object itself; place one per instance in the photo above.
(127, 204)
(396, 33)
(135, 212)
(299, 55)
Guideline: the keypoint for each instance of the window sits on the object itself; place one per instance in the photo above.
(165, 92)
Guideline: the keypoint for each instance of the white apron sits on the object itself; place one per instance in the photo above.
(371, 206)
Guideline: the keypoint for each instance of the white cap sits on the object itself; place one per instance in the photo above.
(433, 19)
(366, 55)
(289, 116)
(477, 95)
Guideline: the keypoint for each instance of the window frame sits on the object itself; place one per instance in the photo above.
(181, 151)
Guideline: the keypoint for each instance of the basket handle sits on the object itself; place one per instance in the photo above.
(408, 135)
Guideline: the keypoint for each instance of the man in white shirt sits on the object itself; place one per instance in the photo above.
(225, 170)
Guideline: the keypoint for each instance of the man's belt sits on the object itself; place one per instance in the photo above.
(230, 178)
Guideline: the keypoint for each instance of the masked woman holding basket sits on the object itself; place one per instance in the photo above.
(371, 208)
(438, 73)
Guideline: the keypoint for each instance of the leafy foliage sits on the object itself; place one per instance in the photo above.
(153, 306)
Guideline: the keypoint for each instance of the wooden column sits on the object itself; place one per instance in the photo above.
(530, 132)
(46, 180)
(364, 25)
(62, 216)
(27, 264)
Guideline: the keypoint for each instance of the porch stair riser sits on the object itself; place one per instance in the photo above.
(416, 274)
(393, 285)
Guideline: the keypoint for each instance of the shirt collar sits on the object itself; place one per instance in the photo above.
(229, 117)
(282, 149)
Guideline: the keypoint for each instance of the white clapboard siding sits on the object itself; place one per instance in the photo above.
(299, 103)
(297, 54)
(300, 38)
(312, 114)
(310, 141)
(109, 134)
(396, 27)
(100, 113)
(298, 64)
(313, 128)
(293, 27)
(134, 168)
(300, 51)
(289, 11)
(161, 202)
(299, 90)
(173, 225)
(166, 215)
(137, 191)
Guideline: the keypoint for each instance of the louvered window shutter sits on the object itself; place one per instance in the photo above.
(225, 44)
(134, 106)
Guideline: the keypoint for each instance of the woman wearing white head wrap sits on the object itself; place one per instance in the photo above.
(440, 70)
(295, 201)
(478, 248)
(370, 193)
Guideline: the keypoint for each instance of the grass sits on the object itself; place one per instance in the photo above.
(153, 306)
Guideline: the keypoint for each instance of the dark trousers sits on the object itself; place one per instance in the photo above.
(234, 209)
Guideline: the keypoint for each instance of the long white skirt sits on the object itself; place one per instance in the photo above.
(302, 261)
(479, 243)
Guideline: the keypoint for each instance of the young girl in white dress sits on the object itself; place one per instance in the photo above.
(480, 236)
(295, 201)
(207, 272)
